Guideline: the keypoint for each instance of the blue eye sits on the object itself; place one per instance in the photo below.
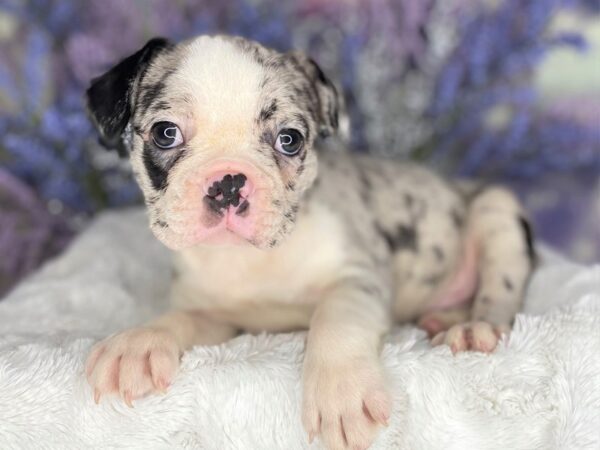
(289, 142)
(166, 135)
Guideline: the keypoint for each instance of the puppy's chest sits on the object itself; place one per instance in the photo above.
(291, 274)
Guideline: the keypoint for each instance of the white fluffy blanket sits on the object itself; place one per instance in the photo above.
(539, 390)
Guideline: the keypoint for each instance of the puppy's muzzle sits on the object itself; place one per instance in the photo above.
(229, 191)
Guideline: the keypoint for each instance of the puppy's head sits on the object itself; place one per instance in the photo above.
(220, 132)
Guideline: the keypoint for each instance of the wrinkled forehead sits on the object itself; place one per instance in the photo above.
(207, 76)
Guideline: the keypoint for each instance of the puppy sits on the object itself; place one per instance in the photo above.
(273, 230)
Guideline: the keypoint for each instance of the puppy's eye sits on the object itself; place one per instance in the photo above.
(166, 135)
(289, 142)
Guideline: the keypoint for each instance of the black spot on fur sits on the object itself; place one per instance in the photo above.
(157, 169)
(161, 223)
(486, 300)
(289, 215)
(151, 200)
(365, 186)
(404, 238)
(303, 153)
(457, 218)
(433, 279)
(439, 253)
(290, 186)
(320, 75)
(158, 175)
(528, 235)
(305, 129)
(149, 96)
(267, 113)
(161, 106)
(277, 159)
(508, 284)
(267, 138)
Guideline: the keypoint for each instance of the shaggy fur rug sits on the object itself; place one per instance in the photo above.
(539, 390)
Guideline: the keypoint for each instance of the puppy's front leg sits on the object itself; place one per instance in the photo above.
(345, 397)
(145, 359)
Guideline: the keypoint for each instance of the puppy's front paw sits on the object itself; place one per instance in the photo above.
(345, 403)
(133, 363)
(477, 336)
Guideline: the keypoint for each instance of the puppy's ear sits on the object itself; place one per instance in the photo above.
(330, 105)
(110, 96)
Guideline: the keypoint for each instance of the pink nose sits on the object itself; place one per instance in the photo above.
(224, 190)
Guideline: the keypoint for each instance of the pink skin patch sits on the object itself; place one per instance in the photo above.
(431, 325)
(459, 289)
(198, 222)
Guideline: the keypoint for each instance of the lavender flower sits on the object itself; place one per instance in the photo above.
(444, 81)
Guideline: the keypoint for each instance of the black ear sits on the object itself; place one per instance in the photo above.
(109, 98)
(330, 108)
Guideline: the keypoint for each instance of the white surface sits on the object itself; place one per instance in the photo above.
(540, 390)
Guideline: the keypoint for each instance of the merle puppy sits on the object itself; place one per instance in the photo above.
(273, 230)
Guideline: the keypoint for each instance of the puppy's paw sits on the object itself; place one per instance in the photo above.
(133, 363)
(476, 336)
(345, 404)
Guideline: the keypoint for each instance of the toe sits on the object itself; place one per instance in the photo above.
(456, 338)
(378, 406)
(311, 419)
(134, 377)
(163, 366)
(359, 430)
(332, 433)
(105, 374)
(484, 338)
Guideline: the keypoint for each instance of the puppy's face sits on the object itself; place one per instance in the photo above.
(220, 133)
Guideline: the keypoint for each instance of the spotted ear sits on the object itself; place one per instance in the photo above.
(110, 96)
(330, 102)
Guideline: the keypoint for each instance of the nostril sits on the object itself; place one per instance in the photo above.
(239, 180)
(214, 190)
(243, 209)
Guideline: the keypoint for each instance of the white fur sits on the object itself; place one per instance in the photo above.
(540, 390)
(216, 72)
(255, 278)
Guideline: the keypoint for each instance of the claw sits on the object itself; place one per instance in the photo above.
(127, 398)
(384, 421)
(96, 396)
(311, 437)
(162, 385)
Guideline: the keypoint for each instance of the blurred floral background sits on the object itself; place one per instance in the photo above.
(504, 90)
